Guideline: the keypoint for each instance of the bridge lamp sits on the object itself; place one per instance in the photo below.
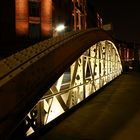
(60, 28)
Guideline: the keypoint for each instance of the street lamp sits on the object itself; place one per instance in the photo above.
(60, 28)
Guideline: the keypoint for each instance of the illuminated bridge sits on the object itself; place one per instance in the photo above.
(40, 83)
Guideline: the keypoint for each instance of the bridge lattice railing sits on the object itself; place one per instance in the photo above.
(92, 70)
(82, 61)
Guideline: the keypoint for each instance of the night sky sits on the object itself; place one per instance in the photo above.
(124, 16)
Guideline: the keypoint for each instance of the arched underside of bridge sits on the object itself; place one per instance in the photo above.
(27, 75)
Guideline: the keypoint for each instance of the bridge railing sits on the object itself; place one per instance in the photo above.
(88, 59)
(92, 70)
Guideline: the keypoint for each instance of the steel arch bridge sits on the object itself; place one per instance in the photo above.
(43, 81)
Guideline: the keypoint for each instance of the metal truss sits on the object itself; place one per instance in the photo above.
(92, 70)
(26, 76)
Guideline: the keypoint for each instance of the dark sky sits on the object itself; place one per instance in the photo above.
(124, 16)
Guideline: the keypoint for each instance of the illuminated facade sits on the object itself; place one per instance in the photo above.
(33, 18)
(79, 14)
(28, 21)
(39, 18)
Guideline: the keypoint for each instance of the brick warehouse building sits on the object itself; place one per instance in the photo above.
(38, 18)
(24, 22)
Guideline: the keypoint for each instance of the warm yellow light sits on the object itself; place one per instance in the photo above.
(60, 28)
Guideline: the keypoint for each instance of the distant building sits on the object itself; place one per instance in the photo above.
(130, 54)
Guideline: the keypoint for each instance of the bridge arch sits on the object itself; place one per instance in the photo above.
(27, 75)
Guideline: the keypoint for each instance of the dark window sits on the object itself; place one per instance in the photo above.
(34, 31)
(34, 9)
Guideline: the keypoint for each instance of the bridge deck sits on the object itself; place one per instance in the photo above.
(114, 114)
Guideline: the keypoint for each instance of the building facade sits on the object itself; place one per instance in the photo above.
(25, 22)
(39, 18)
(33, 18)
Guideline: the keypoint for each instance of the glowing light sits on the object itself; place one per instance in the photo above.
(60, 28)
